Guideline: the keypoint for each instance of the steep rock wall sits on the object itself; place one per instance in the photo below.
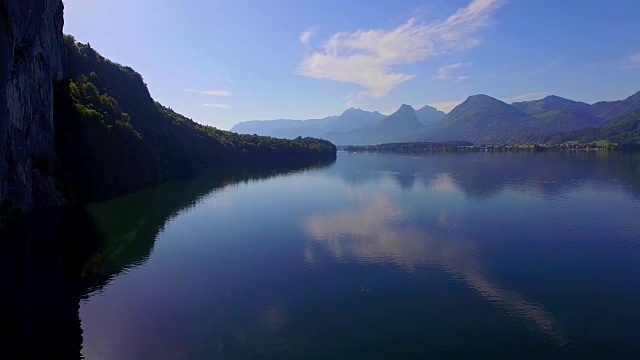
(32, 57)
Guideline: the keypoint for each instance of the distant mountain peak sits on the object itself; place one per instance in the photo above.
(427, 107)
(405, 117)
(428, 115)
(481, 97)
(553, 97)
(483, 100)
(404, 108)
(552, 102)
(353, 110)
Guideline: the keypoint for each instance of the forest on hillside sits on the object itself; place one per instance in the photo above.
(112, 137)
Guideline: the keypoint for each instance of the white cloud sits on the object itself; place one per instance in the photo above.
(367, 57)
(306, 35)
(462, 78)
(211, 92)
(526, 97)
(216, 92)
(444, 70)
(350, 101)
(446, 106)
(217, 106)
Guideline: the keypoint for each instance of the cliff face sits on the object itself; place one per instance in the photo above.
(32, 56)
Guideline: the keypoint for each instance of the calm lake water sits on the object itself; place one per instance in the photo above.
(376, 256)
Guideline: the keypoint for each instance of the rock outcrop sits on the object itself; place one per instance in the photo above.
(32, 57)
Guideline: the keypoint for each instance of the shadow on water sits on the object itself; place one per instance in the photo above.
(52, 259)
(40, 258)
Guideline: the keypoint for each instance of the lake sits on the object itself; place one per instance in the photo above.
(376, 256)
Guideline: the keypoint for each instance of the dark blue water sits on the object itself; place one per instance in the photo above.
(376, 256)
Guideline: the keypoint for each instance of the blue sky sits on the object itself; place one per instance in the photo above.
(224, 61)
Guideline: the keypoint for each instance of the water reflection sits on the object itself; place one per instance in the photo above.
(51, 260)
(127, 227)
(381, 231)
(370, 234)
(258, 296)
(483, 175)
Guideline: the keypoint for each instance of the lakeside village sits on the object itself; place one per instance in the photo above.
(463, 146)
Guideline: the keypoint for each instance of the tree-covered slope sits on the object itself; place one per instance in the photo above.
(478, 119)
(613, 109)
(552, 102)
(483, 119)
(624, 129)
(560, 120)
(112, 137)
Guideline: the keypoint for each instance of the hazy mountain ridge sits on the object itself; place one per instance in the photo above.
(428, 115)
(349, 120)
(353, 126)
(395, 126)
(479, 119)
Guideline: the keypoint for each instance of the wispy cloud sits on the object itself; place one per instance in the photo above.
(462, 78)
(526, 97)
(226, 79)
(446, 106)
(444, 71)
(350, 100)
(624, 63)
(216, 92)
(212, 92)
(216, 106)
(632, 61)
(306, 35)
(367, 57)
(542, 68)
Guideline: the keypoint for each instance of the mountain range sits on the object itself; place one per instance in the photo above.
(352, 125)
(479, 119)
(397, 125)
(349, 120)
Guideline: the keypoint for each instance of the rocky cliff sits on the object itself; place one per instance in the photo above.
(32, 57)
